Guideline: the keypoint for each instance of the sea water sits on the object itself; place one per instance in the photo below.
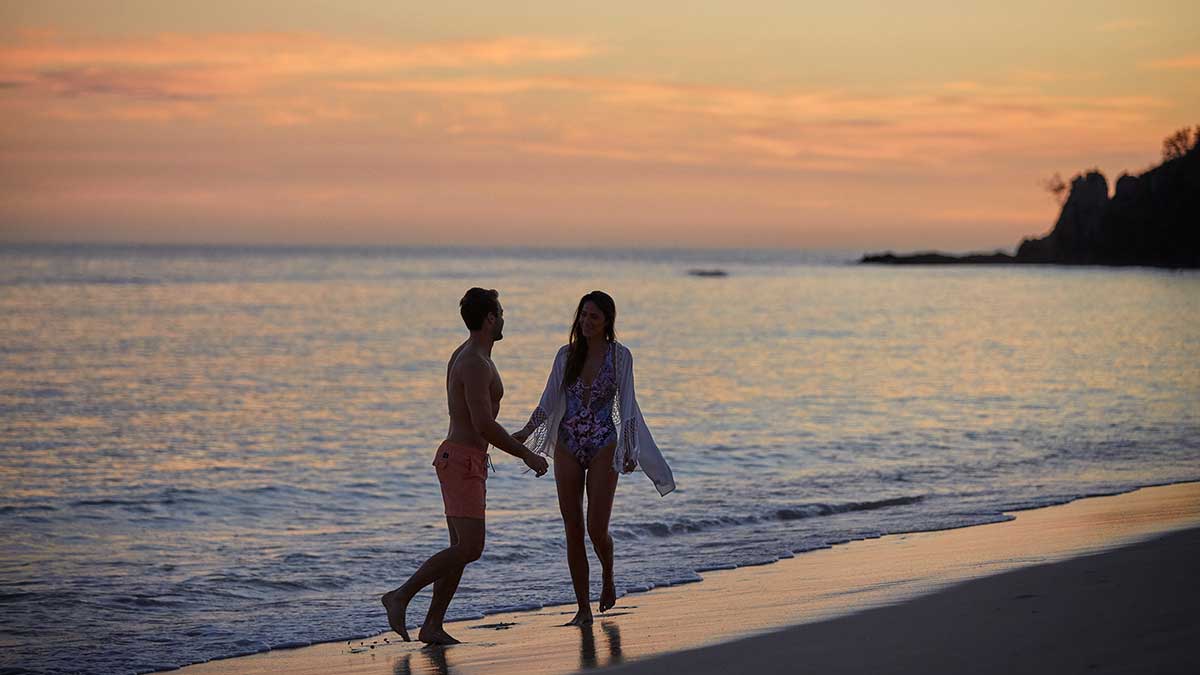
(209, 451)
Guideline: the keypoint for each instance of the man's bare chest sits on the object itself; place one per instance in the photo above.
(497, 387)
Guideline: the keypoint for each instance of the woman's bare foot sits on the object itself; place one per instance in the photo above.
(396, 604)
(608, 594)
(436, 636)
(582, 618)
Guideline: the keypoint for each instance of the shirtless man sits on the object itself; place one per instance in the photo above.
(473, 391)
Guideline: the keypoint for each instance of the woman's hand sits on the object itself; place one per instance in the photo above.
(630, 465)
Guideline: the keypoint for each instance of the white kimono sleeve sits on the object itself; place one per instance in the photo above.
(633, 437)
(548, 415)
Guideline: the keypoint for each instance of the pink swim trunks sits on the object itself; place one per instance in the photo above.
(462, 471)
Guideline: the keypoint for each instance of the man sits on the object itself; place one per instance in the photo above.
(473, 391)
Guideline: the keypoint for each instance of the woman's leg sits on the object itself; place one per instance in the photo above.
(569, 478)
(601, 487)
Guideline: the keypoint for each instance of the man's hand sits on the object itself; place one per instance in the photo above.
(521, 435)
(630, 465)
(537, 463)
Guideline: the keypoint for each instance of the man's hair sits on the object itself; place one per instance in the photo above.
(476, 304)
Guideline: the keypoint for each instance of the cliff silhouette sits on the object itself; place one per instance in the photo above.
(1152, 219)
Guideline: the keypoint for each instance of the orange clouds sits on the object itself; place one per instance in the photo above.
(1189, 62)
(835, 130)
(1123, 25)
(281, 53)
(177, 65)
(295, 132)
(469, 90)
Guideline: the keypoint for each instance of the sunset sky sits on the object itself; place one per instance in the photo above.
(928, 123)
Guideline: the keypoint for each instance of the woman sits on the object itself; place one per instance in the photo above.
(588, 420)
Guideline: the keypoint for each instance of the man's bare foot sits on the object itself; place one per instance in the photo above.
(396, 604)
(436, 636)
(608, 594)
(582, 618)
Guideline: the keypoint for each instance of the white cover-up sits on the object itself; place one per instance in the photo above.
(633, 437)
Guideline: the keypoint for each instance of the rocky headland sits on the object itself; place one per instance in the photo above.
(1152, 219)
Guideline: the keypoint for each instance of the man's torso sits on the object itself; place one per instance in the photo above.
(461, 430)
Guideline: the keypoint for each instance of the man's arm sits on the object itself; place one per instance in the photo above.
(477, 377)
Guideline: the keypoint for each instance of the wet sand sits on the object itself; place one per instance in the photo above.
(1131, 610)
(894, 604)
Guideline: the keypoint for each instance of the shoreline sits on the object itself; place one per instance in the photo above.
(736, 604)
(1129, 609)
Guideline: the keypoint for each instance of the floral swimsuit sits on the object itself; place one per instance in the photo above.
(587, 427)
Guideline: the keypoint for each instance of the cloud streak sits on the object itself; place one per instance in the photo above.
(1186, 62)
(284, 53)
(1123, 25)
(176, 65)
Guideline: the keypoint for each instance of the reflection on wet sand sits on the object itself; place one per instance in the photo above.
(435, 662)
(587, 645)
(434, 659)
(613, 633)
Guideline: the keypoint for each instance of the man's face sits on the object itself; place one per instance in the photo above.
(498, 324)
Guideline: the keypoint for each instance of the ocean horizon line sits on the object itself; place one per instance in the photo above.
(636, 253)
(855, 251)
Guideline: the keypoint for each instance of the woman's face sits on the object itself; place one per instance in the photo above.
(591, 320)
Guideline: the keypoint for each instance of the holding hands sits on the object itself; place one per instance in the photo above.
(535, 462)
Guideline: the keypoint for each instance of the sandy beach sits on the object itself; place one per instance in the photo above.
(1130, 610)
(1104, 584)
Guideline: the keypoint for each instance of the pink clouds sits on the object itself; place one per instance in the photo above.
(768, 126)
(200, 66)
(469, 90)
(180, 85)
(283, 53)
(291, 131)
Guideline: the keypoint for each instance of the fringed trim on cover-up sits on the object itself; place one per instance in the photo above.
(539, 438)
(627, 453)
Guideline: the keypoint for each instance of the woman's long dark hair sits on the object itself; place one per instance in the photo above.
(577, 349)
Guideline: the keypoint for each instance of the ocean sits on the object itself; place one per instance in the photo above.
(214, 451)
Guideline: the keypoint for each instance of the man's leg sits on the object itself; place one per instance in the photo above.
(466, 532)
(448, 560)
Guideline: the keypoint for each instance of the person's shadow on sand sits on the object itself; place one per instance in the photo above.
(436, 654)
(587, 645)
